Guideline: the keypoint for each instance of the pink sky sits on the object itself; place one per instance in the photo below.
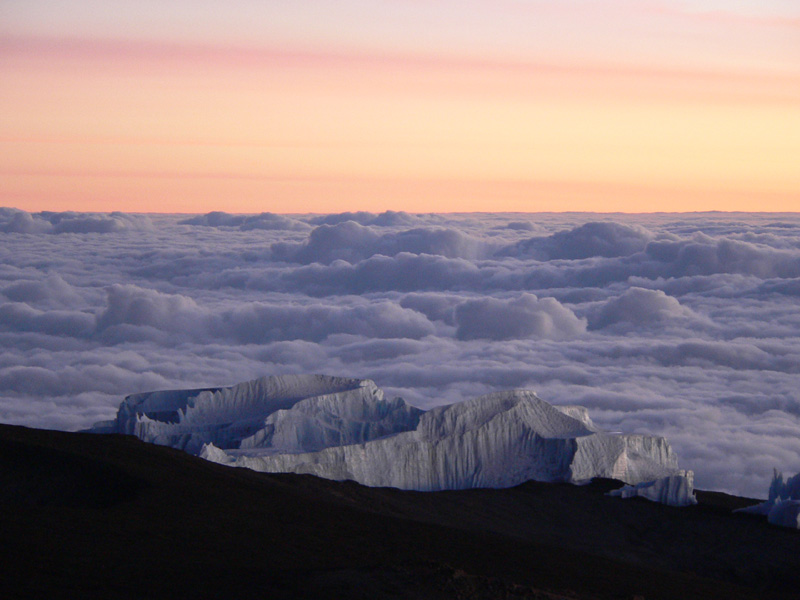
(420, 106)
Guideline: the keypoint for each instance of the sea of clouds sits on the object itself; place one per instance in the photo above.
(681, 325)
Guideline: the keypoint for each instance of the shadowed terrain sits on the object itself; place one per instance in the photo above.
(107, 516)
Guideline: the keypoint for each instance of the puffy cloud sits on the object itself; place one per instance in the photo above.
(733, 355)
(520, 226)
(789, 287)
(390, 218)
(352, 242)
(600, 238)
(70, 222)
(266, 221)
(404, 272)
(523, 317)
(694, 330)
(641, 307)
(18, 316)
(437, 307)
(346, 241)
(51, 291)
(130, 307)
(259, 323)
(17, 221)
(704, 255)
(71, 380)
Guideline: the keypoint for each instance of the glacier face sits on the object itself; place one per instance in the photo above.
(341, 428)
(286, 413)
(498, 440)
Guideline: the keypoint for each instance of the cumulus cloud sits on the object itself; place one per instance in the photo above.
(389, 218)
(256, 323)
(704, 255)
(18, 221)
(520, 226)
(640, 307)
(437, 307)
(50, 291)
(403, 272)
(346, 241)
(523, 317)
(352, 242)
(131, 307)
(600, 238)
(70, 222)
(18, 316)
(677, 325)
(266, 221)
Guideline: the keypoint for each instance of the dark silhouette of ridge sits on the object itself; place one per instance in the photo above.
(108, 516)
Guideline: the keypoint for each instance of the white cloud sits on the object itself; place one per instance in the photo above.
(351, 242)
(599, 238)
(694, 331)
(640, 307)
(18, 221)
(523, 317)
(131, 307)
(267, 221)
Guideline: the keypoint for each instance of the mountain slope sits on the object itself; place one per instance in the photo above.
(107, 516)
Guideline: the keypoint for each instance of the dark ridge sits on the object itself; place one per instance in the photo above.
(723, 502)
(108, 516)
(41, 476)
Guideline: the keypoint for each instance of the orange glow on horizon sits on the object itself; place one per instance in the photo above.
(129, 127)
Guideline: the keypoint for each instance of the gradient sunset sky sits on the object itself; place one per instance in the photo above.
(336, 105)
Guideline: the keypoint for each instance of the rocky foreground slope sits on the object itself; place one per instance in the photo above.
(340, 428)
(107, 516)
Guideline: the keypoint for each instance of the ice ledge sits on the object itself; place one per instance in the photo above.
(674, 490)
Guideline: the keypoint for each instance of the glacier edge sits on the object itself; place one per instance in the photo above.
(345, 429)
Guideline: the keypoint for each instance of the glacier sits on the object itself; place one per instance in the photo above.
(286, 413)
(783, 503)
(676, 489)
(345, 429)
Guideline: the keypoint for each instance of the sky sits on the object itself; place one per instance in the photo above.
(679, 325)
(329, 106)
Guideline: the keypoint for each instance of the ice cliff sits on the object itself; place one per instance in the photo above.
(783, 504)
(341, 429)
(287, 413)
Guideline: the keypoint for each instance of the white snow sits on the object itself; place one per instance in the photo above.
(287, 413)
(499, 440)
(675, 490)
(783, 504)
(341, 429)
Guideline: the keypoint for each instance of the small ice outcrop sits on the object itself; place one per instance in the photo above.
(213, 454)
(675, 490)
(783, 505)
(785, 513)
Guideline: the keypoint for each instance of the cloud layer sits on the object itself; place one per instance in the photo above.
(680, 325)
